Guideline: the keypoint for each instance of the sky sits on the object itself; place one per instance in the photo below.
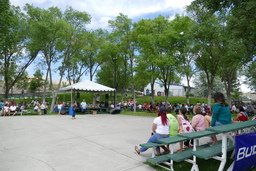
(102, 11)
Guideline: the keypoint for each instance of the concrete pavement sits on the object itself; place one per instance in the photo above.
(58, 143)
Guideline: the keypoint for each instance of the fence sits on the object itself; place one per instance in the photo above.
(28, 95)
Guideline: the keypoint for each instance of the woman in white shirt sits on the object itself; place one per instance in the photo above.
(160, 129)
(37, 109)
(59, 107)
(6, 110)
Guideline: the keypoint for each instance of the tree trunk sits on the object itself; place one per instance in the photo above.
(166, 91)
(188, 91)
(54, 94)
(209, 95)
(45, 86)
(228, 90)
(152, 100)
(187, 95)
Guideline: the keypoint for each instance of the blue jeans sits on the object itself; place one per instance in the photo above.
(153, 139)
(74, 114)
(217, 123)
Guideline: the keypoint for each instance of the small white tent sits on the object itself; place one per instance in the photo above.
(88, 86)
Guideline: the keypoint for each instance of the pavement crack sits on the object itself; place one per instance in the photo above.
(52, 168)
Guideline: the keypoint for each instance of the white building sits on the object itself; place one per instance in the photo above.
(174, 89)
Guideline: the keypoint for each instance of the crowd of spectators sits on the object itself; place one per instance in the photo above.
(203, 117)
(12, 107)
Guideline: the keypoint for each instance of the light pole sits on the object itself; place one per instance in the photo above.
(114, 59)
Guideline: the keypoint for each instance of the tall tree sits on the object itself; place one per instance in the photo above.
(46, 24)
(158, 42)
(13, 43)
(58, 37)
(146, 65)
(234, 56)
(91, 51)
(122, 36)
(168, 38)
(111, 67)
(242, 20)
(208, 37)
(187, 68)
(108, 52)
(70, 42)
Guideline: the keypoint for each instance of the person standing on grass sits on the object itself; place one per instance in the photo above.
(59, 106)
(160, 130)
(83, 104)
(221, 114)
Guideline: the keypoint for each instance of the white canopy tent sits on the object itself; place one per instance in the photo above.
(87, 86)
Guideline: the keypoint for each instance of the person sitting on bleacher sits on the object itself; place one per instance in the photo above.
(198, 121)
(184, 127)
(13, 109)
(174, 125)
(160, 129)
(221, 114)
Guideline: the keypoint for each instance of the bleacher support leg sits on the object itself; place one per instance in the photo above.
(224, 152)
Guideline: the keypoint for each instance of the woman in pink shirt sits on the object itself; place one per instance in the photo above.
(198, 122)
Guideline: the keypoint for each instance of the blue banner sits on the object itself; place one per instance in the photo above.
(245, 154)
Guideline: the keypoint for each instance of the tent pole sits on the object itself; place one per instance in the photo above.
(71, 96)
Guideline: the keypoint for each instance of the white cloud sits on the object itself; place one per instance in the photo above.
(244, 88)
(102, 11)
(178, 4)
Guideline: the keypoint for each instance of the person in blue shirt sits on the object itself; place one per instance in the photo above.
(221, 114)
(1, 104)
